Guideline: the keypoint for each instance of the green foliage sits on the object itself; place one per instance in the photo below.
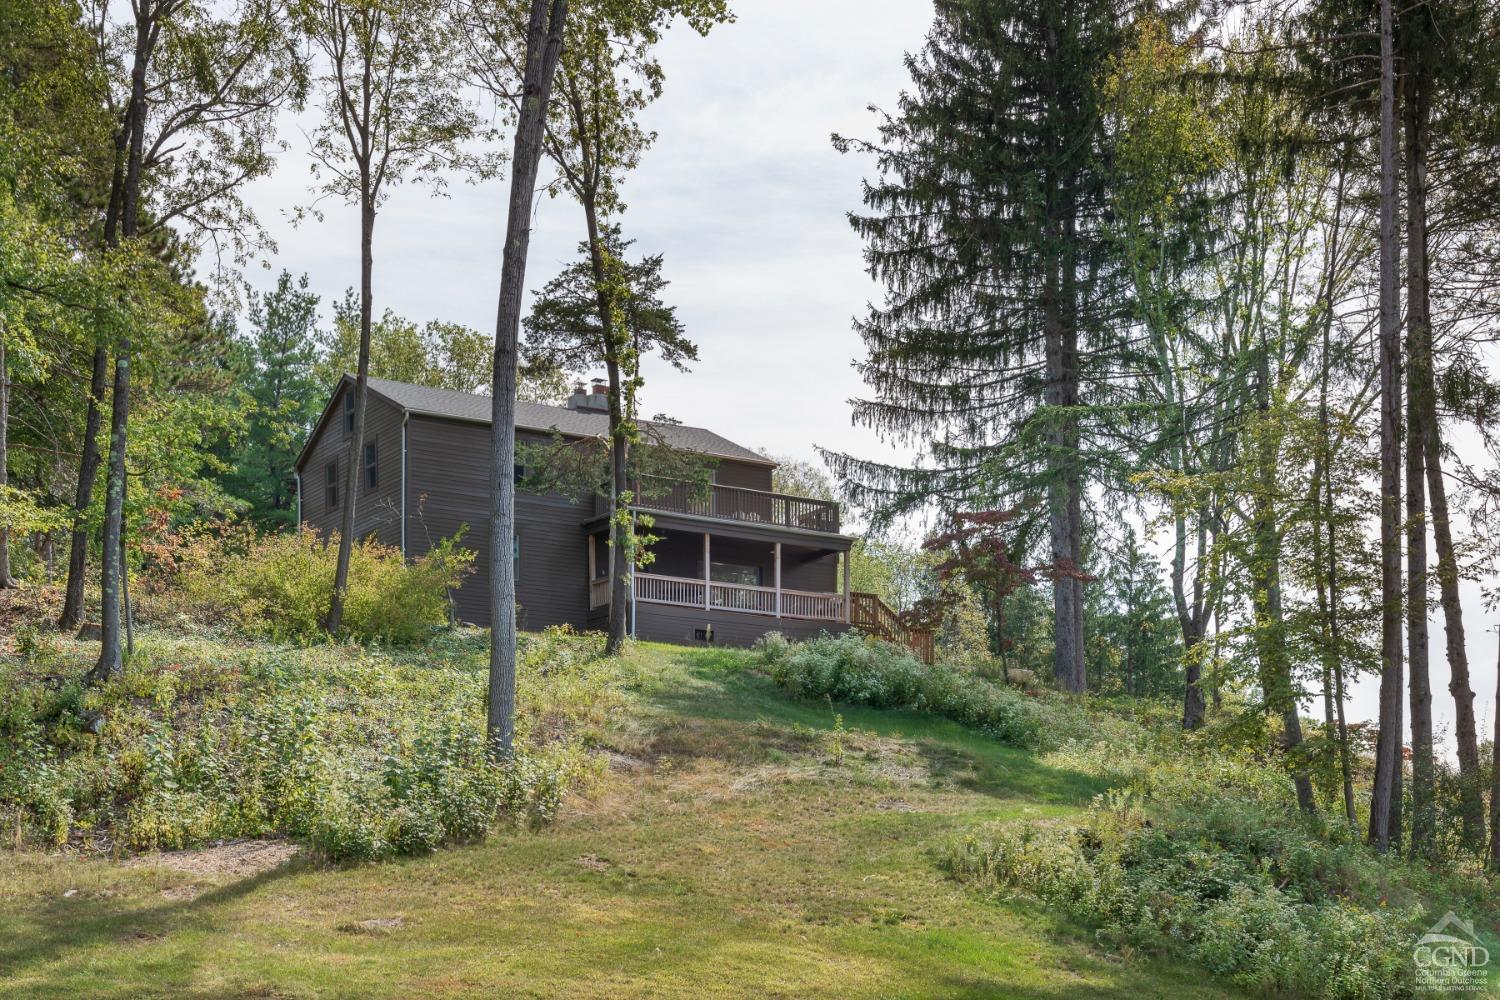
(1135, 643)
(1199, 853)
(278, 586)
(867, 671)
(438, 354)
(283, 398)
(564, 330)
(359, 754)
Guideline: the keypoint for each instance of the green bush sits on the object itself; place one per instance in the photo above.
(279, 586)
(359, 753)
(1202, 855)
(867, 671)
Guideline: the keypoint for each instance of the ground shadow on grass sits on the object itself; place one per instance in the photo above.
(723, 685)
(50, 933)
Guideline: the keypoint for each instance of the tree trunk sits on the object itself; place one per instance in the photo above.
(354, 461)
(543, 44)
(1495, 772)
(1423, 767)
(111, 661)
(1277, 684)
(88, 472)
(127, 610)
(621, 533)
(1071, 399)
(5, 578)
(1383, 800)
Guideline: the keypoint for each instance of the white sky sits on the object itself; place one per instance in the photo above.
(746, 198)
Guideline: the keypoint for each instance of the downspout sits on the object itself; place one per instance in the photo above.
(404, 418)
(297, 476)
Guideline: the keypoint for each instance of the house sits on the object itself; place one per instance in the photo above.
(734, 560)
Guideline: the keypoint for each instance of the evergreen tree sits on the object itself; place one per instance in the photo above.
(1135, 639)
(1003, 299)
(283, 398)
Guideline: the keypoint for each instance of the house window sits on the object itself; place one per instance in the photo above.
(747, 576)
(331, 483)
(349, 412)
(515, 555)
(520, 473)
(372, 465)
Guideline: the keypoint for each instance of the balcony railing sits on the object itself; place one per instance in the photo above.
(687, 592)
(736, 503)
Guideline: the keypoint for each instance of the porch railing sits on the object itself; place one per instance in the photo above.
(687, 592)
(736, 503)
(599, 592)
(869, 613)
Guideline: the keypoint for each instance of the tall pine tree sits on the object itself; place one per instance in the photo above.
(986, 226)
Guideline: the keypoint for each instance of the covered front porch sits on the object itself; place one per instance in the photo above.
(713, 585)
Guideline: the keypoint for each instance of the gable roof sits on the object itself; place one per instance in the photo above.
(449, 404)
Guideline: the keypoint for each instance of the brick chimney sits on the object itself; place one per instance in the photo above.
(593, 401)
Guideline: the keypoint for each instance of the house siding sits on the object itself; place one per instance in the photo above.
(448, 488)
(742, 474)
(377, 512)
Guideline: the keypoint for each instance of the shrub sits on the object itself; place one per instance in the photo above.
(279, 586)
(1202, 855)
(867, 671)
(361, 754)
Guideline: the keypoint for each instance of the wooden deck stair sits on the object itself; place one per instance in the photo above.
(868, 613)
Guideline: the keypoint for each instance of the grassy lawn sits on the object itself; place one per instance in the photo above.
(741, 845)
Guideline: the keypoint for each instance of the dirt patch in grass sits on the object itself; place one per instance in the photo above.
(234, 858)
(376, 925)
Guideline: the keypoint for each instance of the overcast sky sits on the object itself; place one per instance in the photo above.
(746, 198)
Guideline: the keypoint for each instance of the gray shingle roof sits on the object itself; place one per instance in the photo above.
(470, 406)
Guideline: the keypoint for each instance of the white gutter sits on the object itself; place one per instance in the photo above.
(404, 418)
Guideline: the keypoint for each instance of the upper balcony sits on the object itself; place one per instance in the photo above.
(736, 503)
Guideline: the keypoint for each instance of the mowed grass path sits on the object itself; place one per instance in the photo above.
(739, 847)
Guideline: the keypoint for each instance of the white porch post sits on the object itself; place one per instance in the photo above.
(707, 579)
(778, 579)
(847, 553)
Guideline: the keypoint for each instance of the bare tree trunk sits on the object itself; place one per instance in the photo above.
(1058, 508)
(1072, 398)
(111, 660)
(1383, 832)
(5, 578)
(127, 610)
(1495, 772)
(621, 533)
(1423, 767)
(1333, 653)
(543, 45)
(88, 472)
(1278, 687)
(353, 462)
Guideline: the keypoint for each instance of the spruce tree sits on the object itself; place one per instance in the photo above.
(986, 225)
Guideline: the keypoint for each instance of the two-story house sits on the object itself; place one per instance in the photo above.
(733, 561)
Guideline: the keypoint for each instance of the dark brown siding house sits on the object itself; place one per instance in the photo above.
(733, 562)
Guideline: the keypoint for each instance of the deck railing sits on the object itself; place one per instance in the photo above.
(599, 592)
(870, 614)
(736, 503)
(687, 592)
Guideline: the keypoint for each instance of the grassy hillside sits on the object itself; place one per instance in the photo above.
(733, 842)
